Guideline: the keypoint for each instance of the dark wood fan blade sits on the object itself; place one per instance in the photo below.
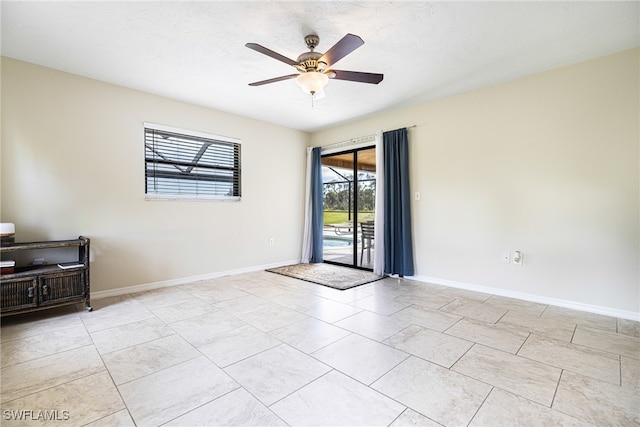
(345, 46)
(273, 80)
(357, 76)
(269, 52)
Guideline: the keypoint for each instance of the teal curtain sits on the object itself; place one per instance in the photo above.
(317, 218)
(398, 242)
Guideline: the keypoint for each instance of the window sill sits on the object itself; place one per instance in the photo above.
(191, 198)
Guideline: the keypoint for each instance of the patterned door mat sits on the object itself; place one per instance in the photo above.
(330, 275)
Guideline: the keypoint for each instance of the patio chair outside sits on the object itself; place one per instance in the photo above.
(367, 239)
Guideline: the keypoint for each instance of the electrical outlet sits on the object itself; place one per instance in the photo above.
(518, 258)
(506, 258)
(272, 242)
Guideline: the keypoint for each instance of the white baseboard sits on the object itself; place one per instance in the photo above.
(608, 311)
(181, 281)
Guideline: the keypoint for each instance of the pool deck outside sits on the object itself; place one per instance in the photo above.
(344, 254)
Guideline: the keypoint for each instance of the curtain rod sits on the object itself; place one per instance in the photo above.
(355, 140)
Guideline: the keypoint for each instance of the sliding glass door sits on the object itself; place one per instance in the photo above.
(349, 188)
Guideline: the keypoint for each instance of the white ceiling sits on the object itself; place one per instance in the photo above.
(194, 50)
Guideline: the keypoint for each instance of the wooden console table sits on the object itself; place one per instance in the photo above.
(38, 287)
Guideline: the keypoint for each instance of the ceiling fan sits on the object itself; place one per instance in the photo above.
(313, 67)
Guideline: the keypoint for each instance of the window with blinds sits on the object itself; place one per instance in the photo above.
(186, 164)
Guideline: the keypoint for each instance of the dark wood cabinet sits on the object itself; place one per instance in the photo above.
(31, 288)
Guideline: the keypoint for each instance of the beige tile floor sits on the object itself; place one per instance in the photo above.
(263, 349)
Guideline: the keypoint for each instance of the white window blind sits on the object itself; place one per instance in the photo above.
(186, 164)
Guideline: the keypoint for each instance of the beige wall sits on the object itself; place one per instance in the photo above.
(73, 163)
(547, 165)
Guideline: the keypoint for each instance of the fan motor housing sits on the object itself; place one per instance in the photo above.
(308, 61)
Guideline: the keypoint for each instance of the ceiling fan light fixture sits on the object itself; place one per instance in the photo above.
(313, 68)
(312, 82)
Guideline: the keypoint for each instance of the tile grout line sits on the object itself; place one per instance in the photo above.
(389, 370)
(480, 406)
(459, 358)
(105, 370)
(454, 324)
(502, 317)
(399, 415)
(200, 406)
(298, 389)
(553, 400)
(368, 386)
(575, 329)
(620, 366)
(124, 402)
(523, 343)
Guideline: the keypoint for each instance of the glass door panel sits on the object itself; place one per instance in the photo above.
(349, 200)
(366, 197)
(339, 232)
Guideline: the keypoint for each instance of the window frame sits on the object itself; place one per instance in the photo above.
(196, 135)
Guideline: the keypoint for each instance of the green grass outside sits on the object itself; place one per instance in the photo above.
(336, 217)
